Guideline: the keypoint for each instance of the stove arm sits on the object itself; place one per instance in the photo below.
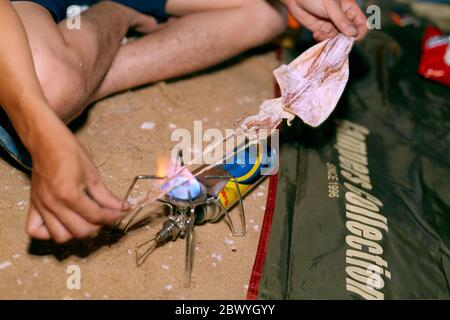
(139, 209)
(189, 254)
(225, 212)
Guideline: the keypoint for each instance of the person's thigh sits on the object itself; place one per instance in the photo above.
(45, 38)
(42, 31)
(185, 7)
(58, 8)
(55, 63)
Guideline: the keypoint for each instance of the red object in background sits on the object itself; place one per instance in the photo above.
(293, 22)
(263, 245)
(435, 61)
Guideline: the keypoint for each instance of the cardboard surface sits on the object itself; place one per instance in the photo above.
(125, 134)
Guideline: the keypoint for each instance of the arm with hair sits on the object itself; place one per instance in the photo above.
(68, 198)
(21, 95)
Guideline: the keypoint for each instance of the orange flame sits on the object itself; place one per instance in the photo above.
(166, 168)
(163, 166)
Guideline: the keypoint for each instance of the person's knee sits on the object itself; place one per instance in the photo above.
(55, 63)
(62, 82)
(267, 18)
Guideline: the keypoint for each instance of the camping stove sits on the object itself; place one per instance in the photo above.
(206, 196)
(193, 201)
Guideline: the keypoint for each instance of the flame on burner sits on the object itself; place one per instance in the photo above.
(164, 167)
(181, 183)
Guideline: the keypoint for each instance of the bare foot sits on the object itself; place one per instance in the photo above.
(143, 23)
(137, 21)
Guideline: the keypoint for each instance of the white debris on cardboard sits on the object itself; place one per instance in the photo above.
(228, 242)
(168, 287)
(148, 125)
(5, 264)
(217, 256)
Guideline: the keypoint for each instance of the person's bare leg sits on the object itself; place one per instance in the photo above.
(192, 42)
(70, 64)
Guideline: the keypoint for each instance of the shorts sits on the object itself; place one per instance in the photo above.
(58, 8)
(10, 142)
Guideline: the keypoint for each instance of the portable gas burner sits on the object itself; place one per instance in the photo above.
(193, 201)
(206, 197)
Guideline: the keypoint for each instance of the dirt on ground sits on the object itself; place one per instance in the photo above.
(125, 134)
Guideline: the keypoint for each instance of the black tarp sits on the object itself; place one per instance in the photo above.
(362, 207)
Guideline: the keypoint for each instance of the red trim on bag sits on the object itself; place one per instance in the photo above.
(261, 253)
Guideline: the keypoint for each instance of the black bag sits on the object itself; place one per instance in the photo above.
(362, 207)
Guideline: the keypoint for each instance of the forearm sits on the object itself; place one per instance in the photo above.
(20, 93)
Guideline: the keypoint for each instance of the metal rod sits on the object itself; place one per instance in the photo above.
(140, 259)
(133, 217)
(190, 223)
(241, 209)
(127, 196)
(226, 211)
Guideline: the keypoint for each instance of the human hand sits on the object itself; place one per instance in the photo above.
(325, 18)
(68, 198)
